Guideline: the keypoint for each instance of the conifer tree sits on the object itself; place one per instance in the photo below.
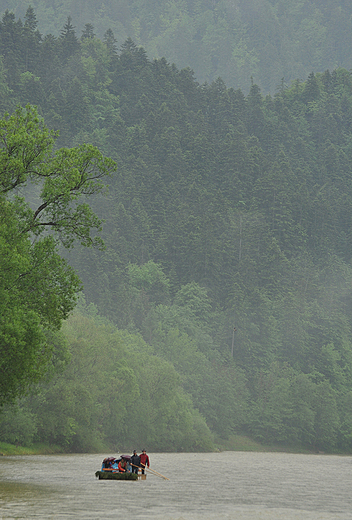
(110, 41)
(32, 40)
(10, 47)
(68, 40)
(30, 19)
(88, 32)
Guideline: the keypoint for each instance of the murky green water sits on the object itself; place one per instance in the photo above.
(229, 485)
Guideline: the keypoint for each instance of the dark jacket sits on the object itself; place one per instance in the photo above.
(135, 460)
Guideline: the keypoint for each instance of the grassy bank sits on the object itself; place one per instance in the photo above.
(37, 449)
(243, 443)
(233, 443)
(238, 443)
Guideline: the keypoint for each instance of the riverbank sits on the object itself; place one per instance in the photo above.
(233, 443)
(39, 449)
(243, 443)
(238, 443)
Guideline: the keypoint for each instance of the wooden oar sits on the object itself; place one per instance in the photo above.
(139, 467)
(155, 472)
(151, 470)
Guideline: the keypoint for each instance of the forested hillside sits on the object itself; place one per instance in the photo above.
(225, 211)
(234, 39)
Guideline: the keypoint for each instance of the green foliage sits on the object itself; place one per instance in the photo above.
(284, 409)
(195, 301)
(150, 279)
(17, 426)
(115, 392)
(38, 288)
(24, 349)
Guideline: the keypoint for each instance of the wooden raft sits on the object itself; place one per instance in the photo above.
(109, 475)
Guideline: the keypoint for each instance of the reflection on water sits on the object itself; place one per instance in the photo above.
(229, 485)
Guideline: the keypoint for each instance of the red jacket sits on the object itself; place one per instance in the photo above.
(144, 460)
(122, 466)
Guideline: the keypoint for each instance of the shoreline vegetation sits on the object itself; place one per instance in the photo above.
(233, 443)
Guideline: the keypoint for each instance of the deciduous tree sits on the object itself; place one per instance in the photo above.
(38, 288)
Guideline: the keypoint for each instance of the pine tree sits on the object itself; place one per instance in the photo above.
(10, 48)
(88, 32)
(30, 19)
(32, 40)
(110, 42)
(68, 40)
(311, 90)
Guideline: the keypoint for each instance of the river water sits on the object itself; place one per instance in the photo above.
(227, 485)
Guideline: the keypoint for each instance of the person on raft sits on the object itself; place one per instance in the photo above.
(135, 462)
(115, 466)
(109, 463)
(144, 460)
(122, 466)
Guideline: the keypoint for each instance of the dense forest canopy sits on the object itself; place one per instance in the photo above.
(234, 39)
(226, 211)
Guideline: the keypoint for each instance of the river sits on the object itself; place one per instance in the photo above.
(227, 485)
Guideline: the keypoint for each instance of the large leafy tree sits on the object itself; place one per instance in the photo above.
(38, 288)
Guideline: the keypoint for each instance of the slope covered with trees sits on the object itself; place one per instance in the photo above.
(226, 211)
(234, 39)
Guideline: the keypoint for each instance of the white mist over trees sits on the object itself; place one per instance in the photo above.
(269, 40)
